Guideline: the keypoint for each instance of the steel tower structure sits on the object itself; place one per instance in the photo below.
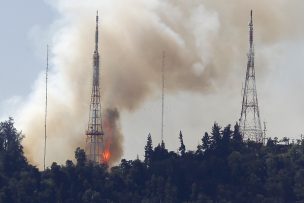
(250, 123)
(94, 133)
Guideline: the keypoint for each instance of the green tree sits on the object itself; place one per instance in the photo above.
(182, 148)
(80, 157)
(206, 142)
(237, 138)
(216, 137)
(91, 196)
(11, 150)
(148, 150)
(299, 184)
(226, 137)
(162, 144)
(229, 170)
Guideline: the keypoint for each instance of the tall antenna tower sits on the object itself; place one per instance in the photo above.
(250, 122)
(94, 133)
(163, 95)
(46, 98)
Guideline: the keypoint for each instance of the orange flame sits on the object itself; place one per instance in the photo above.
(106, 155)
(109, 126)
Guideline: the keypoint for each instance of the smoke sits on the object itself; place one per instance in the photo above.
(204, 41)
(113, 139)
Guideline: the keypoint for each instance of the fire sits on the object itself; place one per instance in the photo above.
(106, 155)
(109, 126)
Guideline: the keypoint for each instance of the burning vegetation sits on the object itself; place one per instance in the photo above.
(106, 155)
(112, 137)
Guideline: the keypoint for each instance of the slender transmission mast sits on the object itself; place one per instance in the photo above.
(250, 122)
(94, 133)
(163, 95)
(46, 98)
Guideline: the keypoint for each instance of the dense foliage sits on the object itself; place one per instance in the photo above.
(224, 168)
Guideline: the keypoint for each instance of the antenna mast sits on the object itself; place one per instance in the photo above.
(163, 95)
(94, 134)
(250, 122)
(46, 93)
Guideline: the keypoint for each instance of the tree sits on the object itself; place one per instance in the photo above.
(160, 153)
(216, 136)
(69, 164)
(299, 184)
(162, 144)
(228, 171)
(91, 196)
(276, 140)
(225, 143)
(80, 157)
(10, 139)
(237, 138)
(170, 192)
(148, 150)
(11, 150)
(285, 140)
(182, 148)
(206, 142)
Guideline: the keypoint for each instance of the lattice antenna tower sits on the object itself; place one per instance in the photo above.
(250, 123)
(163, 95)
(94, 134)
(46, 103)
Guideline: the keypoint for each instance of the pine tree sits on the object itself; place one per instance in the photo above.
(148, 150)
(162, 145)
(226, 135)
(206, 142)
(237, 138)
(216, 136)
(182, 148)
(226, 139)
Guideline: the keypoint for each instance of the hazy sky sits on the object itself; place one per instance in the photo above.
(22, 55)
(26, 27)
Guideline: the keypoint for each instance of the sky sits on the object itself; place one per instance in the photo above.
(206, 45)
(22, 58)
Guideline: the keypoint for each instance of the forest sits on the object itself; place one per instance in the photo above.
(223, 168)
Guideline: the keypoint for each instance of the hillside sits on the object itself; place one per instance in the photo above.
(223, 168)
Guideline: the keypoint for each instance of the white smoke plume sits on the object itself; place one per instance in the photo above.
(203, 39)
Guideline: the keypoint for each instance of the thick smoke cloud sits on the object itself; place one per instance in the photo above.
(203, 39)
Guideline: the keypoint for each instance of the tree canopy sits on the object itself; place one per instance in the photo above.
(223, 168)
